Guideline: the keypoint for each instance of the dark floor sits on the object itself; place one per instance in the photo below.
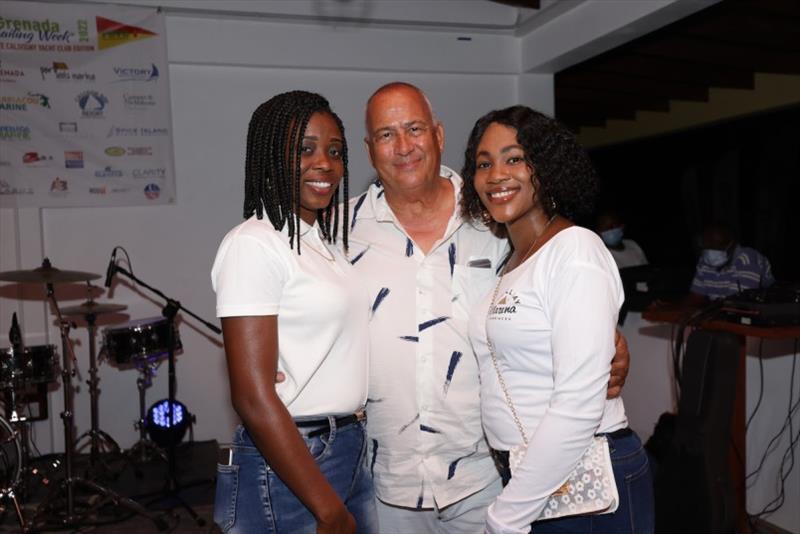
(141, 478)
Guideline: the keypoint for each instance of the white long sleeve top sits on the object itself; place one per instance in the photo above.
(552, 327)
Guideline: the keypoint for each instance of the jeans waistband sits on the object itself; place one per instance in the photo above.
(618, 434)
(325, 424)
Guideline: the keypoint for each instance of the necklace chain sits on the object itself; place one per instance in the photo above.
(329, 256)
(530, 249)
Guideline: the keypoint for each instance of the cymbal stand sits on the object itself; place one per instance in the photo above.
(98, 440)
(144, 449)
(67, 515)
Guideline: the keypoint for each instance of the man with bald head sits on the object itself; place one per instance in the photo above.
(423, 267)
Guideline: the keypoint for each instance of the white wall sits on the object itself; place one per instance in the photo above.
(214, 91)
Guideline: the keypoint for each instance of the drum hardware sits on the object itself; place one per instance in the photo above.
(98, 439)
(11, 469)
(145, 449)
(59, 505)
(171, 308)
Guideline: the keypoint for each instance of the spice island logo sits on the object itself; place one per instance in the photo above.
(112, 33)
(42, 35)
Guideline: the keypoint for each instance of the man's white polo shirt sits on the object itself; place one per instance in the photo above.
(424, 406)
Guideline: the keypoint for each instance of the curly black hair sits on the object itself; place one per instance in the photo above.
(568, 183)
(272, 165)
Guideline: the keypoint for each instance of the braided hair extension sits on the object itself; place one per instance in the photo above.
(273, 165)
(567, 180)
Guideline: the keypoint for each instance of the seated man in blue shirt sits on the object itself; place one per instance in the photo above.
(726, 268)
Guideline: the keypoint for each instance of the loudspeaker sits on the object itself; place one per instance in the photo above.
(693, 482)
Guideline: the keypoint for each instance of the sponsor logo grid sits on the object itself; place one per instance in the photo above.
(80, 86)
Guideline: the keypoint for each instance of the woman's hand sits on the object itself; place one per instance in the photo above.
(339, 522)
(620, 366)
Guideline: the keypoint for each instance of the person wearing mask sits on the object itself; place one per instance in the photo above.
(626, 252)
(725, 267)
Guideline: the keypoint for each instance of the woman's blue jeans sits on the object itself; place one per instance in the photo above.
(251, 498)
(636, 512)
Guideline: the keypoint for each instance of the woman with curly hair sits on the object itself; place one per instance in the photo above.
(545, 337)
(289, 303)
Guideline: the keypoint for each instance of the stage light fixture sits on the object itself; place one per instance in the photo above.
(163, 431)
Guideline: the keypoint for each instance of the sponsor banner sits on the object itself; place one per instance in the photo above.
(85, 115)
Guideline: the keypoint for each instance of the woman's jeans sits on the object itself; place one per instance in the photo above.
(636, 511)
(251, 498)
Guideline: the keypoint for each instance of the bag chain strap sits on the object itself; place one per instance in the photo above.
(497, 367)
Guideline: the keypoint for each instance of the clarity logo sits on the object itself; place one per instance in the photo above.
(137, 74)
(151, 173)
(92, 104)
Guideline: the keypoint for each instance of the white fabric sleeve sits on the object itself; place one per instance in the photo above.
(248, 276)
(582, 303)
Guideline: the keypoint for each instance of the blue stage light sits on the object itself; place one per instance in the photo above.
(165, 430)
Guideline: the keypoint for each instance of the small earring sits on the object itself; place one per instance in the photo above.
(553, 205)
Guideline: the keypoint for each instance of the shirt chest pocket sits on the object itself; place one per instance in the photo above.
(470, 286)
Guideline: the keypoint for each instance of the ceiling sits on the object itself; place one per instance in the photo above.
(721, 46)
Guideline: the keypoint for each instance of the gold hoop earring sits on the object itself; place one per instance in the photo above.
(486, 217)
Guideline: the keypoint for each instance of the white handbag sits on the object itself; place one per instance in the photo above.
(590, 487)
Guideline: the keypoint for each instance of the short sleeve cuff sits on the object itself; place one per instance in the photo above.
(247, 310)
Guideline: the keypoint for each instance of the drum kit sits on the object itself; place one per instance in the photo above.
(137, 344)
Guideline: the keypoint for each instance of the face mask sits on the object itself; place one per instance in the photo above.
(612, 237)
(715, 258)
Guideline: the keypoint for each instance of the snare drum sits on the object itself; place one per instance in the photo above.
(142, 339)
(33, 365)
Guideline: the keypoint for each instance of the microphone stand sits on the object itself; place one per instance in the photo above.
(172, 307)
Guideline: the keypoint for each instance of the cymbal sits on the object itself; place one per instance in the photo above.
(91, 307)
(47, 275)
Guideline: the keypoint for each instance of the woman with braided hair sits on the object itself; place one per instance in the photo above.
(289, 304)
